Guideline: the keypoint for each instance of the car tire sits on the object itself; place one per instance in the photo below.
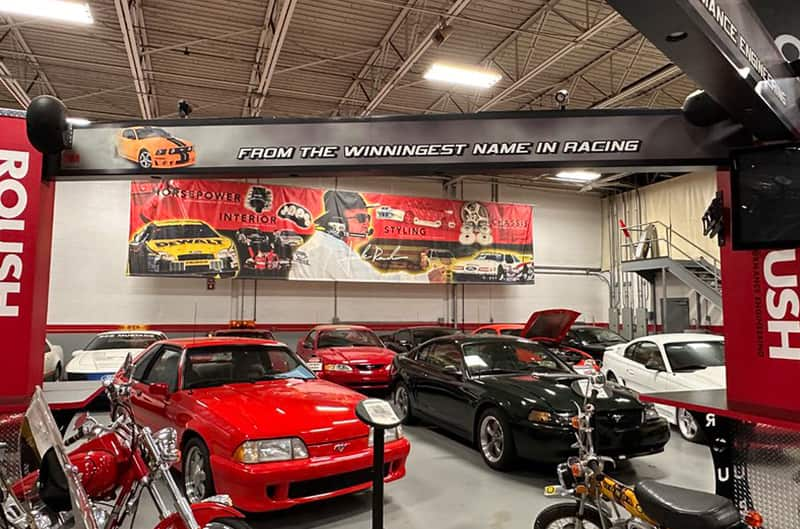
(145, 159)
(501, 273)
(58, 372)
(401, 397)
(198, 483)
(495, 440)
(688, 427)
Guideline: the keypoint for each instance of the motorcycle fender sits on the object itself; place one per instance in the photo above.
(204, 512)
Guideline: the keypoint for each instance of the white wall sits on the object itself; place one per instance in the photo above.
(88, 283)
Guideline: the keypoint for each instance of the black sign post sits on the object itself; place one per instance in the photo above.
(380, 415)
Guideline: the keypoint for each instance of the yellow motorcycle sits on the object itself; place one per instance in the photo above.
(601, 502)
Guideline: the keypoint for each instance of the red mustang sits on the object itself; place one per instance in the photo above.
(549, 327)
(254, 423)
(350, 355)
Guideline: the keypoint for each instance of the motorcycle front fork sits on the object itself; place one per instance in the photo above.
(182, 505)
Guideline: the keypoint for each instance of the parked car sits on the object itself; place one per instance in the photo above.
(504, 329)
(549, 327)
(261, 334)
(512, 397)
(350, 355)
(592, 340)
(255, 423)
(403, 340)
(106, 352)
(487, 266)
(289, 238)
(53, 361)
(670, 362)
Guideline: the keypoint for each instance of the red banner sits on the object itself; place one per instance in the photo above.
(26, 209)
(234, 229)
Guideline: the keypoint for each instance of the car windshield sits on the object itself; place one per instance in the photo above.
(348, 338)
(511, 332)
(246, 333)
(423, 335)
(489, 257)
(510, 356)
(231, 364)
(598, 335)
(152, 133)
(122, 341)
(181, 231)
(690, 356)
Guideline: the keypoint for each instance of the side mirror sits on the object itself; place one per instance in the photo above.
(308, 344)
(159, 389)
(453, 370)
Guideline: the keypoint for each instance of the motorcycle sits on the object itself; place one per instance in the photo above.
(598, 501)
(98, 485)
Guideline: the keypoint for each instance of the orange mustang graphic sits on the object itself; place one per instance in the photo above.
(154, 147)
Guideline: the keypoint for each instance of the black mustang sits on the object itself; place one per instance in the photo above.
(512, 398)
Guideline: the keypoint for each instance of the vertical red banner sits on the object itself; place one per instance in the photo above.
(26, 219)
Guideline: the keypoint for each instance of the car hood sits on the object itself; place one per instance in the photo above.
(205, 245)
(356, 355)
(551, 324)
(101, 360)
(314, 410)
(708, 378)
(561, 394)
(159, 142)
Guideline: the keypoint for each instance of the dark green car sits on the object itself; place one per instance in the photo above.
(513, 398)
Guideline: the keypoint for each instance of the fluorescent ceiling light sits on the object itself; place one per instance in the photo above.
(578, 176)
(79, 122)
(461, 75)
(55, 9)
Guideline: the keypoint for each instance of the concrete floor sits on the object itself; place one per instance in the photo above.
(449, 487)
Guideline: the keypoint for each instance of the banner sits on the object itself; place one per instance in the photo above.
(256, 231)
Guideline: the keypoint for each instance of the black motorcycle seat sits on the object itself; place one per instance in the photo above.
(685, 508)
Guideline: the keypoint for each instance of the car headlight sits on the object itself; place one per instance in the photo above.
(389, 435)
(167, 257)
(550, 418)
(338, 367)
(269, 450)
(227, 253)
(650, 413)
(190, 148)
(173, 151)
(161, 152)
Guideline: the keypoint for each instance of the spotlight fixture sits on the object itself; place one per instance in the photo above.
(442, 33)
(184, 108)
(475, 77)
(56, 9)
(578, 176)
(562, 98)
(78, 122)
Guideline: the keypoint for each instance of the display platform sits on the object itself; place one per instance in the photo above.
(72, 395)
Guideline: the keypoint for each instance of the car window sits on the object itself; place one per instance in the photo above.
(403, 336)
(649, 355)
(511, 356)
(630, 351)
(348, 338)
(164, 369)
(240, 363)
(144, 361)
(445, 354)
(423, 353)
(131, 340)
(509, 259)
(128, 134)
(180, 231)
(691, 356)
(511, 332)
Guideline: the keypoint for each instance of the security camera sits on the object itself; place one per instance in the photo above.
(442, 33)
(561, 97)
(184, 108)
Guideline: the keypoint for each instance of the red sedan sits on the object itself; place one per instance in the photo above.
(255, 423)
(350, 355)
(549, 327)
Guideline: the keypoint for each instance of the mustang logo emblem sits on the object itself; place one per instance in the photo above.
(340, 447)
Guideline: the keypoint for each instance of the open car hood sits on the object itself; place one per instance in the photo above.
(550, 324)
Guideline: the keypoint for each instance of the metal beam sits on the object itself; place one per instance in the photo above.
(130, 21)
(23, 44)
(396, 24)
(426, 42)
(608, 21)
(279, 31)
(255, 71)
(13, 86)
(665, 73)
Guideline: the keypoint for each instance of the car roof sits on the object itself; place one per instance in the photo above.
(478, 338)
(179, 222)
(678, 337)
(191, 343)
(340, 327)
(499, 326)
(132, 331)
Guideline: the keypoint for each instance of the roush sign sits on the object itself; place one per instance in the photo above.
(26, 206)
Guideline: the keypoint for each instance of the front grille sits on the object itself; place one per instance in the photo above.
(619, 420)
(369, 367)
(195, 257)
(315, 487)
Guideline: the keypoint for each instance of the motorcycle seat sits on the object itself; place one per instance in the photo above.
(685, 508)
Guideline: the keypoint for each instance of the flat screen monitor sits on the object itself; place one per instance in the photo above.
(765, 197)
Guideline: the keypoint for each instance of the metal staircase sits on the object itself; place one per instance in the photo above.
(654, 249)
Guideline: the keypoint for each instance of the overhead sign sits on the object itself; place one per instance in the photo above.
(397, 144)
(257, 231)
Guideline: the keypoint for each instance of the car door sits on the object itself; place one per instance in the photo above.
(646, 370)
(150, 404)
(443, 390)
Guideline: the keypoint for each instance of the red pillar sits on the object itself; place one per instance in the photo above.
(26, 225)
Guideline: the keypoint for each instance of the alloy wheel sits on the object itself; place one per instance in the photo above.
(401, 401)
(145, 160)
(687, 425)
(195, 475)
(492, 438)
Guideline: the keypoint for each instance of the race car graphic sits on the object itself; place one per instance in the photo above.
(176, 247)
(153, 148)
(493, 266)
